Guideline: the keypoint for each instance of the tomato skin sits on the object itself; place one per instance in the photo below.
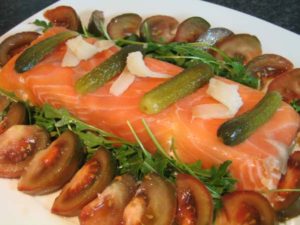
(51, 168)
(160, 29)
(91, 179)
(195, 205)
(153, 204)
(242, 46)
(291, 180)
(191, 29)
(124, 25)
(64, 16)
(18, 145)
(16, 115)
(246, 207)
(15, 44)
(287, 84)
(108, 206)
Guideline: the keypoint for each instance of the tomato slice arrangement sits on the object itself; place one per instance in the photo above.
(91, 179)
(246, 207)
(92, 191)
(153, 204)
(18, 145)
(64, 16)
(195, 204)
(51, 168)
(108, 207)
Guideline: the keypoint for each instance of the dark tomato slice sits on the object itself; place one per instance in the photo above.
(51, 168)
(268, 66)
(288, 84)
(16, 115)
(242, 46)
(124, 25)
(195, 205)
(64, 16)
(213, 35)
(160, 29)
(108, 207)
(96, 23)
(18, 145)
(92, 178)
(14, 44)
(246, 207)
(291, 180)
(153, 204)
(191, 29)
(4, 103)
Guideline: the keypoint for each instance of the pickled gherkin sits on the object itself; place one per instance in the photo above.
(176, 88)
(105, 71)
(238, 129)
(36, 53)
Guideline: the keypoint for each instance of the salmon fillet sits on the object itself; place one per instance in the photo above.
(257, 163)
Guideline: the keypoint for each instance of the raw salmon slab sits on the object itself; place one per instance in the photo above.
(257, 163)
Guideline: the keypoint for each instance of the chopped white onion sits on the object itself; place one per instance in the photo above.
(70, 60)
(122, 83)
(137, 66)
(104, 44)
(227, 94)
(81, 49)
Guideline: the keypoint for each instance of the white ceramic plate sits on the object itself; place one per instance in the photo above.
(19, 209)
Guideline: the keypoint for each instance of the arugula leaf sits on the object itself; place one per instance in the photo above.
(43, 24)
(189, 54)
(296, 105)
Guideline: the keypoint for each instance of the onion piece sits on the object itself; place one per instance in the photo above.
(122, 83)
(81, 49)
(227, 94)
(137, 66)
(70, 60)
(104, 44)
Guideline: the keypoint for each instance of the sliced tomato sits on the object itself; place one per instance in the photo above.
(108, 207)
(160, 29)
(288, 84)
(14, 44)
(246, 207)
(53, 167)
(191, 29)
(195, 205)
(18, 145)
(242, 46)
(153, 204)
(291, 180)
(96, 22)
(268, 66)
(92, 178)
(64, 16)
(16, 115)
(124, 25)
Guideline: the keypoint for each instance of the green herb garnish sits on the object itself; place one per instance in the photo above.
(189, 54)
(133, 158)
(296, 105)
(43, 24)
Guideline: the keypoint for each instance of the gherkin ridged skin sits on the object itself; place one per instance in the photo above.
(176, 88)
(105, 71)
(36, 53)
(238, 129)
